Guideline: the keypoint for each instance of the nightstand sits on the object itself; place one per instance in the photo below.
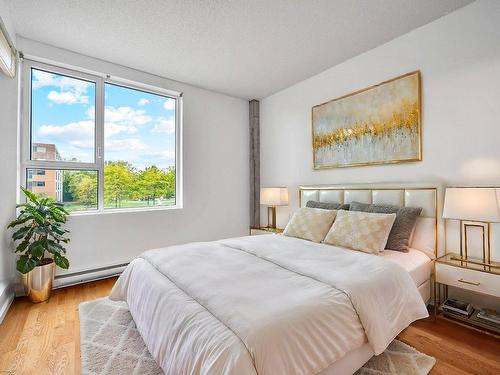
(471, 274)
(255, 231)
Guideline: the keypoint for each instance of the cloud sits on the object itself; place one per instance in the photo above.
(123, 120)
(67, 97)
(111, 129)
(164, 125)
(79, 134)
(91, 113)
(169, 104)
(71, 90)
(124, 144)
(142, 102)
(44, 79)
(126, 116)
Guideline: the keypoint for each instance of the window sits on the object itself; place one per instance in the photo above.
(36, 172)
(139, 148)
(99, 144)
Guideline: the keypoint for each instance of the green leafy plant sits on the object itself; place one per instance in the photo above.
(39, 228)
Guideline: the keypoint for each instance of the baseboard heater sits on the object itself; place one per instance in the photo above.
(80, 277)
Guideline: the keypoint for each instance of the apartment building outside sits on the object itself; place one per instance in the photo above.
(48, 182)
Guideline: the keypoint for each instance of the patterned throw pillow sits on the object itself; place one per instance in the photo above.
(310, 224)
(406, 218)
(363, 231)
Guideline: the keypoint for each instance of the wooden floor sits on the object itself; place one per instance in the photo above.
(45, 338)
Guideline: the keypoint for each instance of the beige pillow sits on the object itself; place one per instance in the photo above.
(310, 224)
(363, 231)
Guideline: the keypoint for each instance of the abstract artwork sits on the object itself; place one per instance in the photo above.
(380, 124)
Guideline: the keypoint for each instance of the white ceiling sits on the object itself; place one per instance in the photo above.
(244, 48)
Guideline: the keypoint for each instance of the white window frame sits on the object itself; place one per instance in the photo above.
(100, 79)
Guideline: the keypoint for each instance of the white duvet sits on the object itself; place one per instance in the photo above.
(265, 305)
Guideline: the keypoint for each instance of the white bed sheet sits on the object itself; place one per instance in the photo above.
(419, 266)
(417, 263)
(162, 310)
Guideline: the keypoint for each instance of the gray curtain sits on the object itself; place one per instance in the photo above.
(254, 120)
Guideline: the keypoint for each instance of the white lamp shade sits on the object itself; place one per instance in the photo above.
(274, 196)
(474, 204)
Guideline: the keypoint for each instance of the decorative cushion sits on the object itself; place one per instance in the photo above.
(310, 224)
(406, 218)
(327, 205)
(363, 231)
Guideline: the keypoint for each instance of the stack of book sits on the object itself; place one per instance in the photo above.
(490, 317)
(458, 307)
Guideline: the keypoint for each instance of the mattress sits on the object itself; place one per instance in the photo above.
(418, 265)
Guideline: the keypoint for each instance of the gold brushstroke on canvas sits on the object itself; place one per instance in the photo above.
(377, 125)
(407, 119)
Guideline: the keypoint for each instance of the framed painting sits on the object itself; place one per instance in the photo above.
(377, 125)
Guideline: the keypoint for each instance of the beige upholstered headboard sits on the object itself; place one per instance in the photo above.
(429, 230)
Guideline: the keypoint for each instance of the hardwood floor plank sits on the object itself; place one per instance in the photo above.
(45, 338)
(12, 326)
(443, 368)
(456, 346)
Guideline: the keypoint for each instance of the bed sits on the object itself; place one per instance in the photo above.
(273, 304)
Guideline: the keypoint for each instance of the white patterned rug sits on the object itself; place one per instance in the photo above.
(111, 345)
(398, 359)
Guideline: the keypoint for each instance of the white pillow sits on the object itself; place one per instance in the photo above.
(310, 223)
(365, 231)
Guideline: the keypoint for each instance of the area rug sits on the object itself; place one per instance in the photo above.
(111, 345)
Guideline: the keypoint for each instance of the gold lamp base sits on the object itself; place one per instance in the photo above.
(486, 239)
(271, 217)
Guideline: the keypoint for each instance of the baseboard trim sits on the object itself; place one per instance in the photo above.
(6, 297)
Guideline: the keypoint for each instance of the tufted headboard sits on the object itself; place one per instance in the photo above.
(428, 235)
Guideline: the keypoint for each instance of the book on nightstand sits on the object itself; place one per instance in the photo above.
(489, 316)
(456, 306)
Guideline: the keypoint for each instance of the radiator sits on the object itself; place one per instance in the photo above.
(74, 278)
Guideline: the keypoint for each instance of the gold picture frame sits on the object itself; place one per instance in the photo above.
(380, 124)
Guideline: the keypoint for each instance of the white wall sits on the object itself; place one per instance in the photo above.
(215, 173)
(7, 19)
(459, 58)
(8, 168)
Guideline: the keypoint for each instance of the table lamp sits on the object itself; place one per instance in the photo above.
(473, 207)
(273, 197)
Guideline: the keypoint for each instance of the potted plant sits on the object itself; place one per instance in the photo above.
(39, 231)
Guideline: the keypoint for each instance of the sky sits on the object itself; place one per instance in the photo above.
(139, 127)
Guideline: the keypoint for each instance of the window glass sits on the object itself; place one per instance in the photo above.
(139, 144)
(62, 117)
(76, 189)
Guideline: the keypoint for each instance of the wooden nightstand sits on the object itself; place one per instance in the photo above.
(471, 274)
(264, 230)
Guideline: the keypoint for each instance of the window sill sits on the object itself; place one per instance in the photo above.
(124, 210)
